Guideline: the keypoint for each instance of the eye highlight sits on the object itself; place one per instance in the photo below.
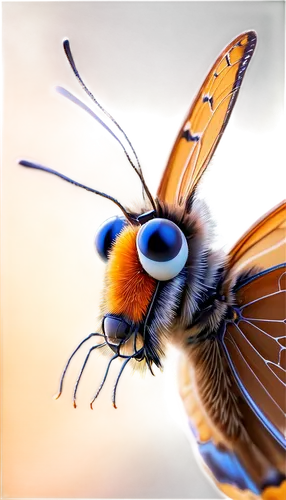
(107, 234)
(162, 249)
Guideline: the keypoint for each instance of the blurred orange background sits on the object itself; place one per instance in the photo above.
(51, 283)
(144, 62)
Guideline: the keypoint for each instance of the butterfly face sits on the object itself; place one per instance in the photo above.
(142, 260)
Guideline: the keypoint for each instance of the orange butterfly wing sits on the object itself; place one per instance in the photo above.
(255, 347)
(263, 245)
(206, 121)
(255, 344)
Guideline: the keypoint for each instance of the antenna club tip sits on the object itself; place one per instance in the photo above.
(65, 42)
(56, 396)
(74, 404)
(114, 406)
(90, 404)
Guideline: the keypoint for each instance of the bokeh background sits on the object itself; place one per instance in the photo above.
(144, 61)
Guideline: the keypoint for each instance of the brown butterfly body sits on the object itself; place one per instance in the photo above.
(165, 283)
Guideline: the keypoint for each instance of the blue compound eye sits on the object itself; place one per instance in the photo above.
(107, 234)
(162, 249)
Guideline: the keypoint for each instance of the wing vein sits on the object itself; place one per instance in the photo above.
(263, 297)
(260, 383)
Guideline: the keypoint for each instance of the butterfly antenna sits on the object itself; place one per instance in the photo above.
(36, 166)
(70, 358)
(103, 380)
(70, 58)
(126, 144)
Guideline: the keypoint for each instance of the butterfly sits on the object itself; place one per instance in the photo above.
(165, 283)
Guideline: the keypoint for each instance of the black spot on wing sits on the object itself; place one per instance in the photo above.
(208, 99)
(187, 134)
(227, 60)
(243, 64)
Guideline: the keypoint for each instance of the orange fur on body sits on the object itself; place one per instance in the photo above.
(129, 288)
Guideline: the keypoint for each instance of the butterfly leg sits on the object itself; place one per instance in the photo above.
(85, 339)
(117, 380)
(103, 379)
(92, 348)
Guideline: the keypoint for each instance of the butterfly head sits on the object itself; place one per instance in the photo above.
(143, 259)
(150, 256)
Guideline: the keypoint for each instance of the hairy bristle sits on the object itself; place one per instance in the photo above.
(130, 288)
